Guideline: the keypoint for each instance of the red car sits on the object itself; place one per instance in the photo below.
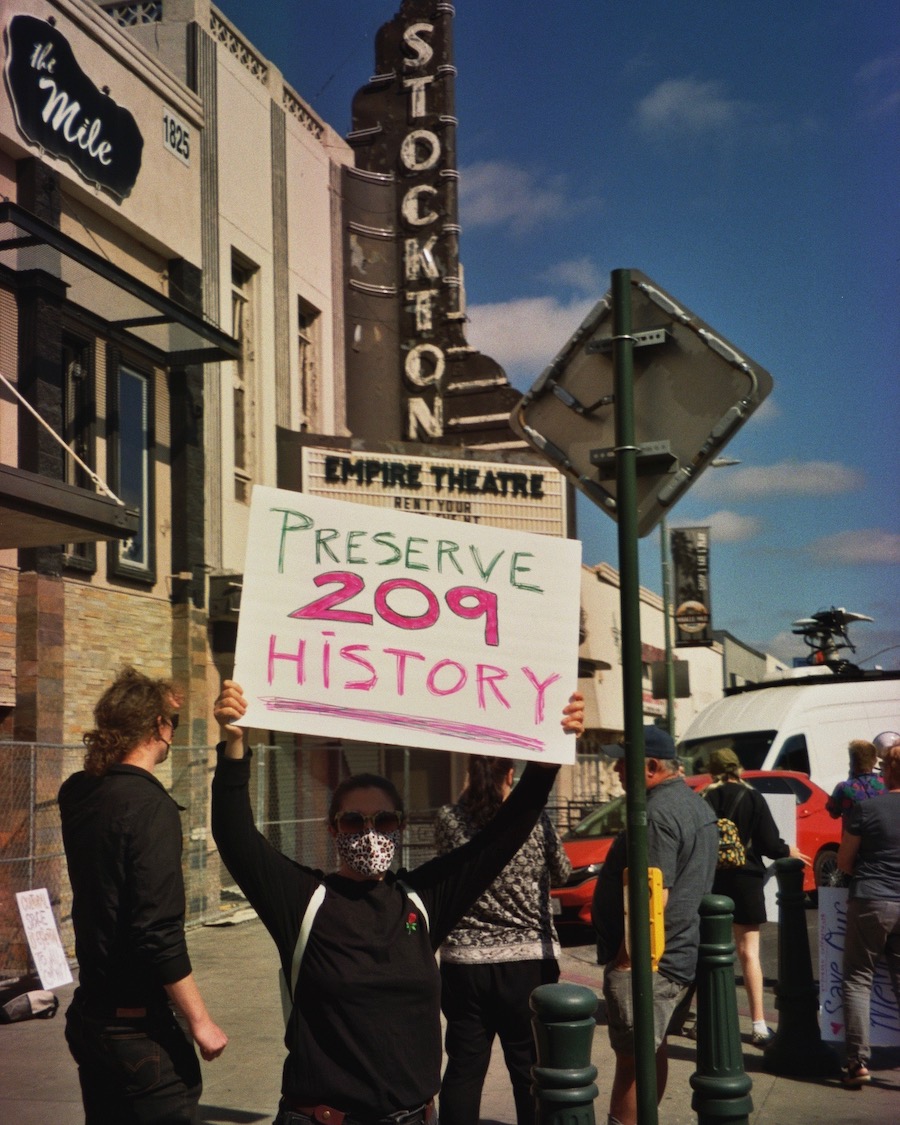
(818, 836)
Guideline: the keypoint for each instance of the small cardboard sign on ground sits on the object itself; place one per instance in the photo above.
(42, 935)
(365, 623)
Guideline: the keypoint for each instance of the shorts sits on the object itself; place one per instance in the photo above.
(667, 995)
(746, 892)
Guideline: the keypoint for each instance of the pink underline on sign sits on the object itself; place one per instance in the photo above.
(467, 731)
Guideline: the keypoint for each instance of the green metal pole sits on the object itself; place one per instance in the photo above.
(666, 558)
(563, 1024)
(721, 1085)
(632, 688)
(798, 1048)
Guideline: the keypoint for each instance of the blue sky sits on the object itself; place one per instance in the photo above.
(745, 157)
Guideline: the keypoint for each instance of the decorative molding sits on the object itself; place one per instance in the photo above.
(302, 113)
(135, 13)
(236, 46)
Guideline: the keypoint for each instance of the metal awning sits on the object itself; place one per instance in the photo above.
(127, 305)
(36, 511)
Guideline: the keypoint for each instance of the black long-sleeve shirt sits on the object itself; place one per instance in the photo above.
(752, 817)
(364, 1033)
(122, 837)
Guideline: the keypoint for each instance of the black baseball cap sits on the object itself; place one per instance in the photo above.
(658, 743)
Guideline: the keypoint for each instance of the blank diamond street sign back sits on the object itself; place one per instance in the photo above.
(692, 391)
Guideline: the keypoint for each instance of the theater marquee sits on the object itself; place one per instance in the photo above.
(520, 497)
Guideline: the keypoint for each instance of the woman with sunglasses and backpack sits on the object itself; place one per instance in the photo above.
(363, 1024)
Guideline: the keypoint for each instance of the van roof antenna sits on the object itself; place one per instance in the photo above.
(825, 633)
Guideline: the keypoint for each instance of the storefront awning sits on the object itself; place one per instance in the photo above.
(36, 511)
(126, 305)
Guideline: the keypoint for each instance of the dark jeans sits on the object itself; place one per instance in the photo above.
(481, 1001)
(134, 1071)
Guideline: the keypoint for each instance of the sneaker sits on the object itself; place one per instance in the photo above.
(762, 1038)
(855, 1075)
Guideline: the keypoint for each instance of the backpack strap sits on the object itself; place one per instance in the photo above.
(287, 993)
(415, 900)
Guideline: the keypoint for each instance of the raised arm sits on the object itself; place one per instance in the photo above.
(452, 882)
(229, 707)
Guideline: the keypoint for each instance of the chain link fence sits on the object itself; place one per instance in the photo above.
(289, 802)
(289, 805)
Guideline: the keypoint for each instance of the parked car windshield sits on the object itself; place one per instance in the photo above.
(751, 748)
(607, 820)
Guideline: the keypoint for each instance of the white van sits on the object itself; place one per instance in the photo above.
(803, 722)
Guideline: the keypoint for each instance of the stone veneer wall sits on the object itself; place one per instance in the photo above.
(106, 629)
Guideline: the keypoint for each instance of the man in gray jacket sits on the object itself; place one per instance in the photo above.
(683, 842)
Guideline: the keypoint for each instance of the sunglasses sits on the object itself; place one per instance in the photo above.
(173, 719)
(352, 823)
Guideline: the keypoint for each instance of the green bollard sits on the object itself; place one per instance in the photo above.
(797, 1048)
(563, 1022)
(721, 1086)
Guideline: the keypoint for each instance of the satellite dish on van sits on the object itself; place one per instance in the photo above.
(825, 633)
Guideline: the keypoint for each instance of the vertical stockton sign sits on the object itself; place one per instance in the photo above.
(404, 137)
(60, 110)
(373, 624)
(422, 161)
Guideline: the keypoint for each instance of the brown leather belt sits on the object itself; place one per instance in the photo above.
(327, 1115)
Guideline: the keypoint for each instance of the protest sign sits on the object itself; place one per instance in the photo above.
(42, 935)
(884, 1029)
(365, 623)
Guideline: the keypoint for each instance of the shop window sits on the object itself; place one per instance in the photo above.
(243, 328)
(78, 432)
(309, 360)
(131, 445)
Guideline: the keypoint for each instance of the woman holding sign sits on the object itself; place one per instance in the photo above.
(363, 1027)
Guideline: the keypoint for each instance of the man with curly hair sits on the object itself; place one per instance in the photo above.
(122, 837)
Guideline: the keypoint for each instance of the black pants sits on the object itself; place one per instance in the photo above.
(134, 1071)
(481, 1001)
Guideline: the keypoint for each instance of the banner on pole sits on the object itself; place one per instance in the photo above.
(690, 570)
(365, 623)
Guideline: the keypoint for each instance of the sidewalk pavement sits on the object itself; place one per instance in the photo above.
(236, 968)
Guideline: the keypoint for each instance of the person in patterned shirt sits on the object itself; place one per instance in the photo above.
(862, 783)
(503, 948)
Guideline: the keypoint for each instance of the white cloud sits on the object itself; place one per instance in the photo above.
(785, 646)
(731, 527)
(526, 332)
(767, 411)
(580, 274)
(867, 547)
(880, 79)
(788, 478)
(687, 105)
(498, 193)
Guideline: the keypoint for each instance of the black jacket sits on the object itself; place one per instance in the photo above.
(122, 836)
(753, 820)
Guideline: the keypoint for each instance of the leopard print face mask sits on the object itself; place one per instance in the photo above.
(369, 854)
